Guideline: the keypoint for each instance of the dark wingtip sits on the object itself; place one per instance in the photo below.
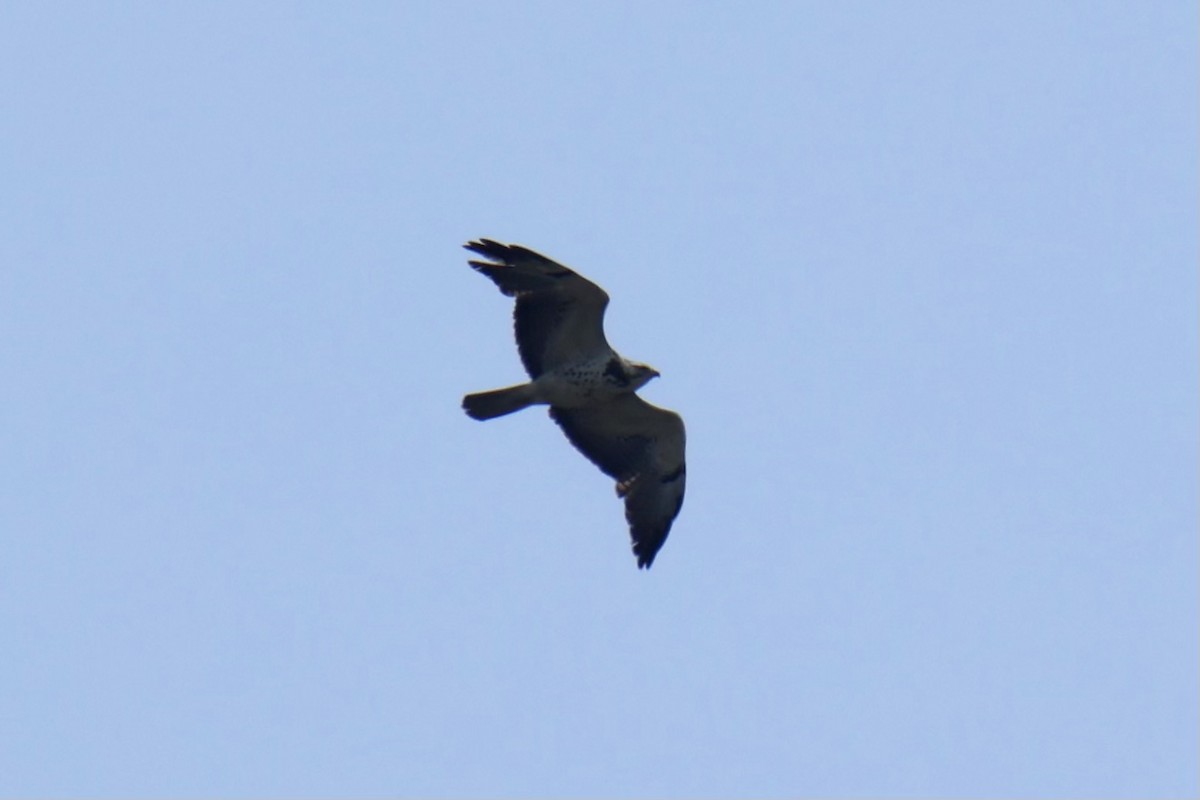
(507, 253)
(648, 542)
(489, 248)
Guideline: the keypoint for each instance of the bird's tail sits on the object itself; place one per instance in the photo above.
(497, 403)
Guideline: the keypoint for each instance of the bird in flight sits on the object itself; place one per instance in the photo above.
(590, 388)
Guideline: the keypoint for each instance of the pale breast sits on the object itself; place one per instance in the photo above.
(582, 384)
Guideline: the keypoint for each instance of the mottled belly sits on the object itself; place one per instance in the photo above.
(573, 388)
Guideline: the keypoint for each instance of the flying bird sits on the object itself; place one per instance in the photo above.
(590, 388)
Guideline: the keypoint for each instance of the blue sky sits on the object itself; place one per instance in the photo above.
(920, 277)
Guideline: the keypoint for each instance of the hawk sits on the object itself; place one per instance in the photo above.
(590, 388)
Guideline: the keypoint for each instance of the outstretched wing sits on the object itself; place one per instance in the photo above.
(559, 315)
(642, 447)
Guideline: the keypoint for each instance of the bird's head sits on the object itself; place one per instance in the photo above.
(640, 374)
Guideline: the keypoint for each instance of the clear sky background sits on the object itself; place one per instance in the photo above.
(920, 277)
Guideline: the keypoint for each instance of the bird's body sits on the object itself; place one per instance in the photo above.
(579, 384)
(591, 389)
